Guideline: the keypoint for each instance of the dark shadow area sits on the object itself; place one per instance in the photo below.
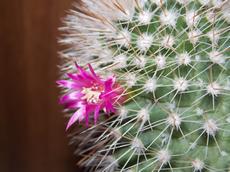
(32, 126)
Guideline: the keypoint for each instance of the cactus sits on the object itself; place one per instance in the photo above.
(171, 58)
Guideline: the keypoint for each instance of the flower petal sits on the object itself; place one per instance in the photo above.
(74, 96)
(78, 115)
(84, 73)
(109, 107)
(96, 114)
(74, 76)
(67, 84)
(92, 71)
(109, 84)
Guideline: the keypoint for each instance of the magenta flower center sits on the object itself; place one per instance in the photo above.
(92, 94)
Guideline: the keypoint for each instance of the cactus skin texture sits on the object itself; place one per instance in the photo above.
(172, 58)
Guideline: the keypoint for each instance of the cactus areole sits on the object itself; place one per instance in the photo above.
(151, 88)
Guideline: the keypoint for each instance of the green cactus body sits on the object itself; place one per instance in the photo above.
(172, 58)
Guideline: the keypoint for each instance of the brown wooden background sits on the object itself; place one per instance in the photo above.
(32, 136)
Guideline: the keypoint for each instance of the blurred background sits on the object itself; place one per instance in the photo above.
(32, 126)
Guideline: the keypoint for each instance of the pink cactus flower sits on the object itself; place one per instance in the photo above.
(88, 94)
